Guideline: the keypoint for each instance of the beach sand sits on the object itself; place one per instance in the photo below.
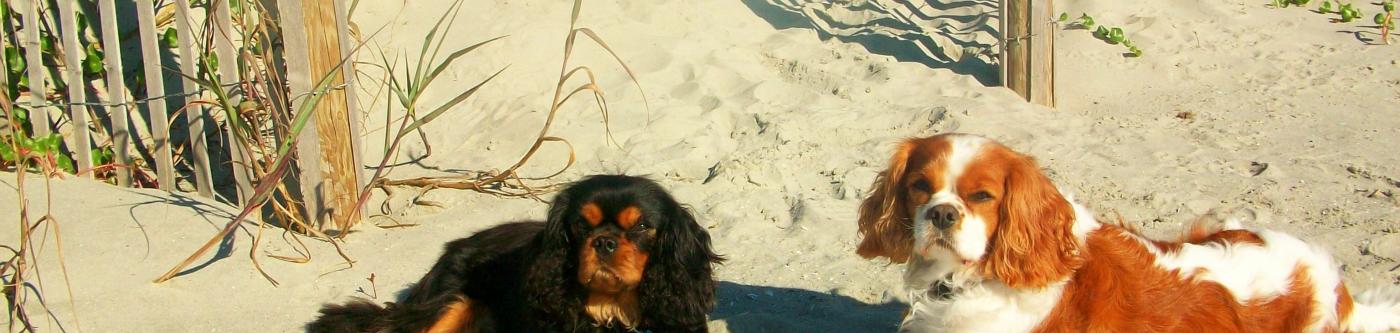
(772, 130)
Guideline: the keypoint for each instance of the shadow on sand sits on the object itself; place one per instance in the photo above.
(958, 35)
(746, 308)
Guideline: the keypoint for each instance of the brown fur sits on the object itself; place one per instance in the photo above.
(621, 271)
(1119, 290)
(455, 317)
(1344, 304)
(628, 217)
(621, 308)
(885, 223)
(1033, 243)
(592, 214)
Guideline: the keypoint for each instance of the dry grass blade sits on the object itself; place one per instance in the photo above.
(450, 103)
(630, 74)
(453, 57)
(597, 97)
(26, 257)
(272, 179)
(500, 183)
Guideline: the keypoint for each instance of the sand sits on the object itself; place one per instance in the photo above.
(770, 119)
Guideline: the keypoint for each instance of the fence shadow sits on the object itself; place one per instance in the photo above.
(958, 35)
(749, 308)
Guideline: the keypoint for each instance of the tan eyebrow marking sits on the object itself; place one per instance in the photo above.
(592, 213)
(628, 217)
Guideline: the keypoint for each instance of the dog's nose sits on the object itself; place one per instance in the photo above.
(604, 245)
(943, 216)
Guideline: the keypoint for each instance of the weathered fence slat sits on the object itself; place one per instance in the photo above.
(1028, 56)
(5, 77)
(155, 86)
(38, 104)
(116, 91)
(72, 52)
(195, 114)
(347, 47)
(299, 84)
(329, 175)
(228, 72)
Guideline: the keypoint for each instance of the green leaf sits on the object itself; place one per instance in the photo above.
(15, 60)
(1086, 21)
(1325, 8)
(1063, 17)
(450, 59)
(1380, 19)
(27, 143)
(92, 66)
(1101, 32)
(170, 38)
(5, 9)
(1300, 2)
(46, 44)
(7, 153)
(49, 143)
(1115, 35)
(101, 156)
(66, 163)
(1389, 6)
(21, 115)
(447, 106)
(82, 23)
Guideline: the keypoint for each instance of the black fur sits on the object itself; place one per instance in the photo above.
(525, 273)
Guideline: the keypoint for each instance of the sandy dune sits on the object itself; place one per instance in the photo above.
(772, 130)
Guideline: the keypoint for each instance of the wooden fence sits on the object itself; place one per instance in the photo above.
(316, 39)
(1028, 49)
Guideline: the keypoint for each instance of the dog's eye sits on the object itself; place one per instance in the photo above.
(641, 227)
(921, 185)
(980, 196)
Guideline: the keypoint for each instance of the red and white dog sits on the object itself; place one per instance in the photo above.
(992, 246)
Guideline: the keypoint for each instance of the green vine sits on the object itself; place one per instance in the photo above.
(1110, 35)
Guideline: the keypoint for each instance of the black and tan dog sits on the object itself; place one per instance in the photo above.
(617, 254)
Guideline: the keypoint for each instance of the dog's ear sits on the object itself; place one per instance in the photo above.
(1033, 244)
(678, 287)
(884, 223)
(548, 278)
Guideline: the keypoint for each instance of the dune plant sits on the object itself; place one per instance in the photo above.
(1347, 12)
(20, 281)
(509, 182)
(407, 89)
(1110, 35)
(1385, 20)
(256, 104)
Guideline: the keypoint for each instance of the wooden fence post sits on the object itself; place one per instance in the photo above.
(82, 141)
(224, 47)
(196, 114)
(116, 91)
(155, 86)
(1028, 49)
(38, 104)
(327, 149)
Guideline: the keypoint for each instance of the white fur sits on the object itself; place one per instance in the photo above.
(982, 307)
(978, 305)
(1376, 310)
(1251, 272)
(969, 236)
